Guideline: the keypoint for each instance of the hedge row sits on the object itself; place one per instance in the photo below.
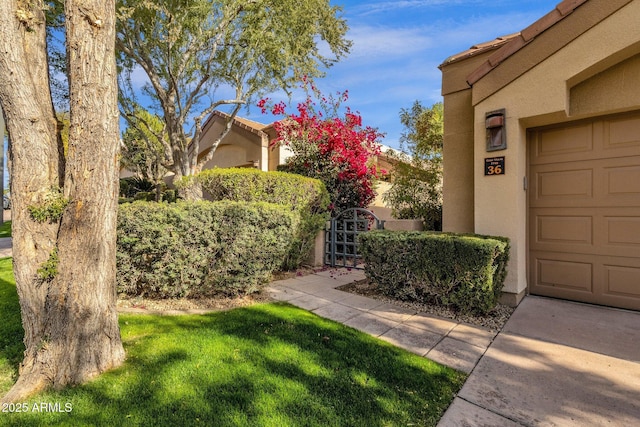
(307, 196)
(202, 248)
(464, 272)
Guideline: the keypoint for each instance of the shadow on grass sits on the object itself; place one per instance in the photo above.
(270, 364)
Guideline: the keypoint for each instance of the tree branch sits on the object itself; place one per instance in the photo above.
(200, 164)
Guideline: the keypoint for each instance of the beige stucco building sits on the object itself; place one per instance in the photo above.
(542, 145)
(246, 145)
(249, 144)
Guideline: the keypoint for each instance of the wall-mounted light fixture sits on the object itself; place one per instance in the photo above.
(496, 130)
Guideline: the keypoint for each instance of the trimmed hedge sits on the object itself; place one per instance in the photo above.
(464, 272)
(202, 248)
(307, 196)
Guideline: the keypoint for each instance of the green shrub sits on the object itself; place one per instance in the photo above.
(134, 188)
(307, 196)
(133, 185)
(202, 248)
(144, 196)
(464, 272)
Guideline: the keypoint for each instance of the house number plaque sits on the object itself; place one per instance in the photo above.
(494, 166)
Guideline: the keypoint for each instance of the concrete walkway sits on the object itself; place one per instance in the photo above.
(5, 242)
(445, 341)
(5, 247)
(555, 363)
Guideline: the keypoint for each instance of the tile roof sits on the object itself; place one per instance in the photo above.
(480, 48)
(525, 36)
(506, 46)
(249, 125)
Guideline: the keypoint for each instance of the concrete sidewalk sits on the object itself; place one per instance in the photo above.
(445, 341)
(6, 247)
(6, 242)
(555, 363)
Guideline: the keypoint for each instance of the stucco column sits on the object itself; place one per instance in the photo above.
(501, 200)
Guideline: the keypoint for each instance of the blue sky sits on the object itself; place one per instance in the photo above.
(398, 45)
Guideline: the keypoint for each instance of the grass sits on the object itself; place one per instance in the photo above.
(265, 365)
(11, 332)
(5, 229)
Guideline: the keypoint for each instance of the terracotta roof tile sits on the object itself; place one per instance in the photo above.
(479, 48)
(506, 51)
(249, 125)
(567, 6)
(514, 44)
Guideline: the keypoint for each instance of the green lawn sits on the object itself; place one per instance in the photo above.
(265, 365)
(5, 229)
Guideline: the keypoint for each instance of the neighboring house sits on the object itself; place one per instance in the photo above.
(554, 113)
(246, 145)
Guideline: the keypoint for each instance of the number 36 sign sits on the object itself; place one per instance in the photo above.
(494, 166)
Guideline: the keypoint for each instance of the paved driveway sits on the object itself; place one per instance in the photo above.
(556, 363)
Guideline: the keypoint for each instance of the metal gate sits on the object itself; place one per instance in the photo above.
(341, 238)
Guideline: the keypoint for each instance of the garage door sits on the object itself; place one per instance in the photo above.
(584, 211)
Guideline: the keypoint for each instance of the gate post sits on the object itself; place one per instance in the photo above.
(333, 243)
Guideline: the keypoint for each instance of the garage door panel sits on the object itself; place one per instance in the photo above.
(573, 274)
(565, 229)
(600, 280)
(589, 231)
(624, 232)
(564, 184)
(563, 144)
(622, 281)
(584, 211)
(621, 182)
(622, 135)
(596, 183)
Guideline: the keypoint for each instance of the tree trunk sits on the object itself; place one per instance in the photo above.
(70, 319)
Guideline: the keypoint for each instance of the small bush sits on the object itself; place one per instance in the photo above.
(134, 188)
(133, 185)
(307, 196)
(464, 272)
(201, 249)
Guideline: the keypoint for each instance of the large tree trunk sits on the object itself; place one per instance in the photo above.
(70, 319)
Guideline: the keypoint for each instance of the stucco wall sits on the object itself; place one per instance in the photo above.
(238, 148)
(610, 90)
(539, 97)
(458, 171)
(457, 153)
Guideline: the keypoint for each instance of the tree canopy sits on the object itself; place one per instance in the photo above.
(417, 178)
(199, 55)
(143, 148)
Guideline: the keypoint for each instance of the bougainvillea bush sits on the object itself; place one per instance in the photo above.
(329, 143)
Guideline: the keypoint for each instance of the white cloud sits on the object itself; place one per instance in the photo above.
(394, 6)
(373, 42)
(139, 77)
